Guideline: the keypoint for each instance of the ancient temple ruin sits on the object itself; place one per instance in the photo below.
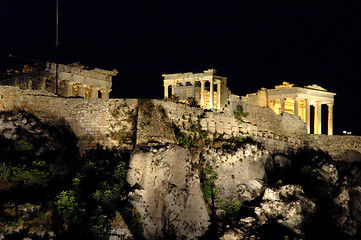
(76, 81)
(298, 101)
(208, 89)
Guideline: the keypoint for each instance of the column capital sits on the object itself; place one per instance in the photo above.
(105, 90)
(67, 88)
(105, 93)
(94, 92)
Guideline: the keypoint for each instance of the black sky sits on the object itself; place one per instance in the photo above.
(253, 43)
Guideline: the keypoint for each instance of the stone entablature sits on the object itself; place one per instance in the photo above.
(76, 81)
(208, 89)
(298, 101)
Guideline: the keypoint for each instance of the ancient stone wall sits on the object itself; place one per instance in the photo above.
(342, 147)
(118, 123)
(265, 118)
(110, 123)
(275, 140)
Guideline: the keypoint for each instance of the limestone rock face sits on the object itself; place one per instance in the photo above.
(119, 229)
(288, 205)
(169, 197)
(241, 173)
(348, 216)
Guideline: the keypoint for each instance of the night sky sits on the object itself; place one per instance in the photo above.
(253, 43)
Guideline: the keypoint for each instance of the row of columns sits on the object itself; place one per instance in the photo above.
(202, 93)
(82, 90)
(317, 115)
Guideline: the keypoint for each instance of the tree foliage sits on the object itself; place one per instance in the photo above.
(95, 194)
(240, 114)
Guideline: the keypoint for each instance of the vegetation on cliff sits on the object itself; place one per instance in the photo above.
(97, 192)
(47, 189)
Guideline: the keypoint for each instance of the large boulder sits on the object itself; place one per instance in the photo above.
(287, 206)
(241, 173)
(169, 197)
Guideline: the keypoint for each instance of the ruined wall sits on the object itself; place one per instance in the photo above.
(118, 123)
(342, 147)
(274, 140)
(285, 124)
(107, 122)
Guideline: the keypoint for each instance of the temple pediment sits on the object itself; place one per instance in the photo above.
(315, 87)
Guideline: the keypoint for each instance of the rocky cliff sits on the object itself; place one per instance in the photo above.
(174, 179)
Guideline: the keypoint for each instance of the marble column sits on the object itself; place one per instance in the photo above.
(317, 125)
(166, 91)
(296, 107)
(211, 92)
(330, 119)
(202, 92)
(67, 90)
(81, 90)
(42, 84)
(219, 90)
(282, 105)
(94, 92)
(308, 116)
(105, 93)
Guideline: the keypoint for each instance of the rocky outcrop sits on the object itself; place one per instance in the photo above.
(347, 216)
(169, 197)
(263, 184)
(119, 229)
(241, 172)
(287, 205)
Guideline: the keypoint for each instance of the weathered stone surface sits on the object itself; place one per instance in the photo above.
(153, 124)
(287, 205)
(240, 174)
(169, 197)
(347, 216)
(112, 123)
(341, 148)
(119, 229)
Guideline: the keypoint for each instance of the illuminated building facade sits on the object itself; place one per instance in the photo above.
(298, 101)
(208, 89)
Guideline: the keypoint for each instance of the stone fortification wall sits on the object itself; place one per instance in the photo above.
(276, 140)
(110, 122)
(265, 118)
(186, 118)
(118, 123)
(342, 147)
(179, 113)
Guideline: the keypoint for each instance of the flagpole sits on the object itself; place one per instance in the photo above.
(56, 47)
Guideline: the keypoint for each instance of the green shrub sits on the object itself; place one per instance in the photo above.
(5, 172)
(232, 209)
(39, 173)
(207, 178)
(96, 193)
(24, 146)
(239, 113)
